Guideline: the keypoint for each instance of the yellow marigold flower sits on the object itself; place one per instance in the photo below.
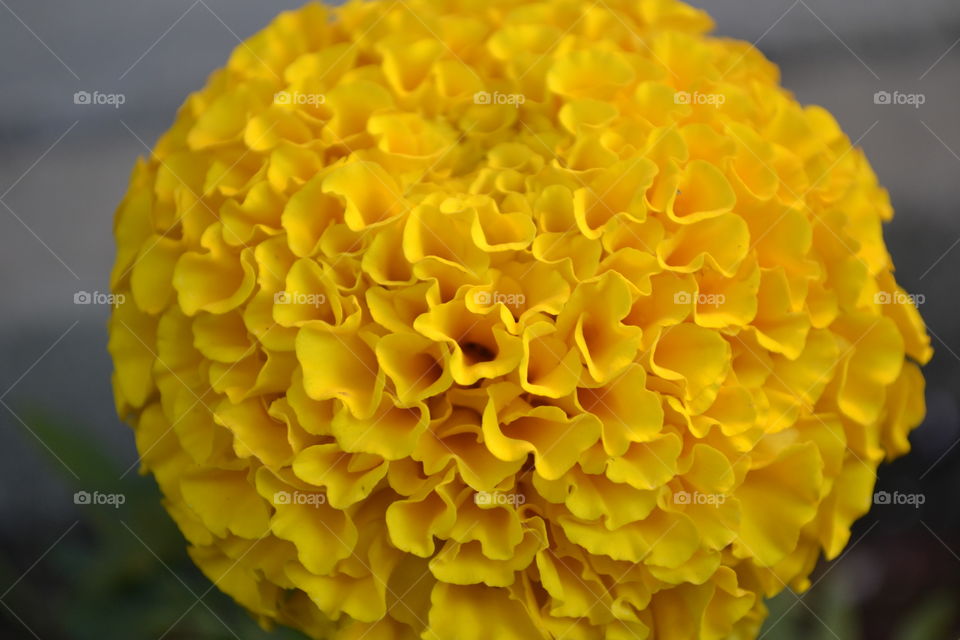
(456, 320)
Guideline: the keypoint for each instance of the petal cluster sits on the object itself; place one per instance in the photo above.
(455, 320)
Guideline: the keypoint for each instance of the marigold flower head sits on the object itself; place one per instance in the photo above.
(462, 320)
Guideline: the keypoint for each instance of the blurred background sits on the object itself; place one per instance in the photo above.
(72, 571)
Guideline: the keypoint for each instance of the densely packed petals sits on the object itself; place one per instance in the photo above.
(455, 320)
